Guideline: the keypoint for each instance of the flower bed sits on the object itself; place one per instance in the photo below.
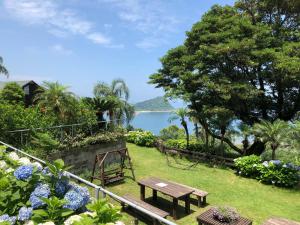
(273, 172)
(32, 194)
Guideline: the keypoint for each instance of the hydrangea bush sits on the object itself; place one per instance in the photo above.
(273, 172)
(31, 194)
(141, 138)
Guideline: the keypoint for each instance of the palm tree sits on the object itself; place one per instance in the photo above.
(56, 98)
(117, 95)
(273, 133)
(181, 114)
(3, 70)
(194, 119)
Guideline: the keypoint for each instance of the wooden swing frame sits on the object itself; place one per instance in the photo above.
(113, 175)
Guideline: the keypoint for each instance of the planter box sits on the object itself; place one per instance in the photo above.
(206, 218)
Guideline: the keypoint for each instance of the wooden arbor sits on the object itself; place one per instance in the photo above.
(108, 175)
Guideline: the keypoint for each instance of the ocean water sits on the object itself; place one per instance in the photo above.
(156, 121)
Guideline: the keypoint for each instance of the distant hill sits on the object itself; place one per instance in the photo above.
(155, 104)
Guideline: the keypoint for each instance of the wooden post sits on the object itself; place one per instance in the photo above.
(175, 206)
(187, 204)
(142, 192)
(154, 195)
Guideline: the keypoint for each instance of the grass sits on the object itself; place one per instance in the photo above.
(251, 198)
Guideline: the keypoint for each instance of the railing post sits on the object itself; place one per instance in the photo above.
(97, 191)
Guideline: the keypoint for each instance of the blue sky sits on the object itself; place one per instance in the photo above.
(80, 42)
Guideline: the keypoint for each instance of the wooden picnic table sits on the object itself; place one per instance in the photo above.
(176, 191)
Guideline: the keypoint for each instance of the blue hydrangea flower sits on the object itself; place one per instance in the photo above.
(7, 218)
(276, 162)
(42, 190)
(61, 187)
(25, 213)
(77, 197)
(23, 172)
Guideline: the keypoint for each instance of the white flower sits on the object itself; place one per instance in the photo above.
(13, 156)
(72, 219)
(91, 214)
(119, 223)
(37, 165)
(3, 165)
(30, 222)
(9, 170)
(24, 161)
(47, 223)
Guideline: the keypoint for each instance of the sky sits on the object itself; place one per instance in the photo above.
(81, 42)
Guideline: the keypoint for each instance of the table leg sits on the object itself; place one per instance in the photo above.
(187, 204)
(142, 192)
(154, 195)
(175, 206)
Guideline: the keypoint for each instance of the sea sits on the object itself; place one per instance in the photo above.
(156, 121)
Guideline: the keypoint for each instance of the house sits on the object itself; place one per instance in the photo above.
(29, 87)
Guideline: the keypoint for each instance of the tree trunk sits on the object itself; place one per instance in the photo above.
(257, 148)
(196, 131)
(183, 123)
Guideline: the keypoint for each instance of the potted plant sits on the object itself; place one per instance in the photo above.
(225, 214)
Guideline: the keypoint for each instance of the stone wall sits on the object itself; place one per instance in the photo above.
(83, 158)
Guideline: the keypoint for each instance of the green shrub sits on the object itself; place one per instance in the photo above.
(172, 132)
(278, 173)
(177, 144)
(248, 165)
(269, 172)
(141, 138)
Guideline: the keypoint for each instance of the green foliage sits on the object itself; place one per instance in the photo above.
(13, 93)
(248, 166)
(171, 132)
(54, 212)
(43, 143)
(279, 174)
(105, 212)
(115, 97)
(273, 172)
(141, 138)
(242, 60)
(155, 104)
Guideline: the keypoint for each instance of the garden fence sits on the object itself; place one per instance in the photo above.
(98, 189)
(61, 130)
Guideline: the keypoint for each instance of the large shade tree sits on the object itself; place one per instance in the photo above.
(244, 60)
(3, 69)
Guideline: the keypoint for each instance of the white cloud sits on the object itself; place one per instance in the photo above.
(148, 17)
(61, 49)
(59, 22)
(98, 38)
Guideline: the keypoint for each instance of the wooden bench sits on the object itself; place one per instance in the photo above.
(145, 205)
(201, 195)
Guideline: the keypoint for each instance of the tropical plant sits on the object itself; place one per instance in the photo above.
(115, 97)
(142, 138)
(13, 93)
(56, 98)
(273, 133)
(181, 114)
(3, 70)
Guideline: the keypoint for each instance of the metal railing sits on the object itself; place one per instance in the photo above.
(99, 189)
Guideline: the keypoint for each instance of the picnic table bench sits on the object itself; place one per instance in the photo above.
(201, 195)
(147, 206)
(174, 190)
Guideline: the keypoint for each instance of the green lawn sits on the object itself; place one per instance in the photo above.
(251, 198)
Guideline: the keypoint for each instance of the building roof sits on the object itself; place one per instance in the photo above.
(21, 83)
